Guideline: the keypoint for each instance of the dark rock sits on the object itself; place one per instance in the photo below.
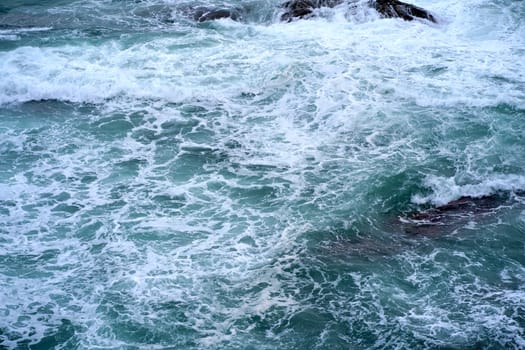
(452, 215)
(203, 14)
(302, 9)
(461, 207)
(297, 9)
(398, 9)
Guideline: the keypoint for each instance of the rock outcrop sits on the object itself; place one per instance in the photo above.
(398, 9)
(298, 9)
(303, 9)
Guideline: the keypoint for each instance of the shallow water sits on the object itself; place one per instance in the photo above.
(239, 185)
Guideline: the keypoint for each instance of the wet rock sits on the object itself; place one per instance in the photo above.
(465, 205)
(298, 9)
(204, 14)
(452, 215)
(303, 9)
(398, 9)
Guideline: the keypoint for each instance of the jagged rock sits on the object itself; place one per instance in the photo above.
(302, 9)
(398, 9)
(297, 9)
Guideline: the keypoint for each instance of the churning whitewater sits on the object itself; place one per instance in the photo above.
(342, 181)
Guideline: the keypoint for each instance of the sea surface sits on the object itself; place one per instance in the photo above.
(168, 184)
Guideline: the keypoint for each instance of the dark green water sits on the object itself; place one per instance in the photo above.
(166, 184)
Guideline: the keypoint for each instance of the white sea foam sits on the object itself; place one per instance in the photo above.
(406, 52)
(445, 190)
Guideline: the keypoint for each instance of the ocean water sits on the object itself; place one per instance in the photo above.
(166, 184)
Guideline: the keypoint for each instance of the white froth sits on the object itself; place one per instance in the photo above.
(445, 190)
(406, 52)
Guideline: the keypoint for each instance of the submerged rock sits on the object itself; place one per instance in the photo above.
(461, 207)
(452, 215)
(202, 14)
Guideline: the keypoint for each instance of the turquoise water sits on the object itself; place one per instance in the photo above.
(166, 184)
